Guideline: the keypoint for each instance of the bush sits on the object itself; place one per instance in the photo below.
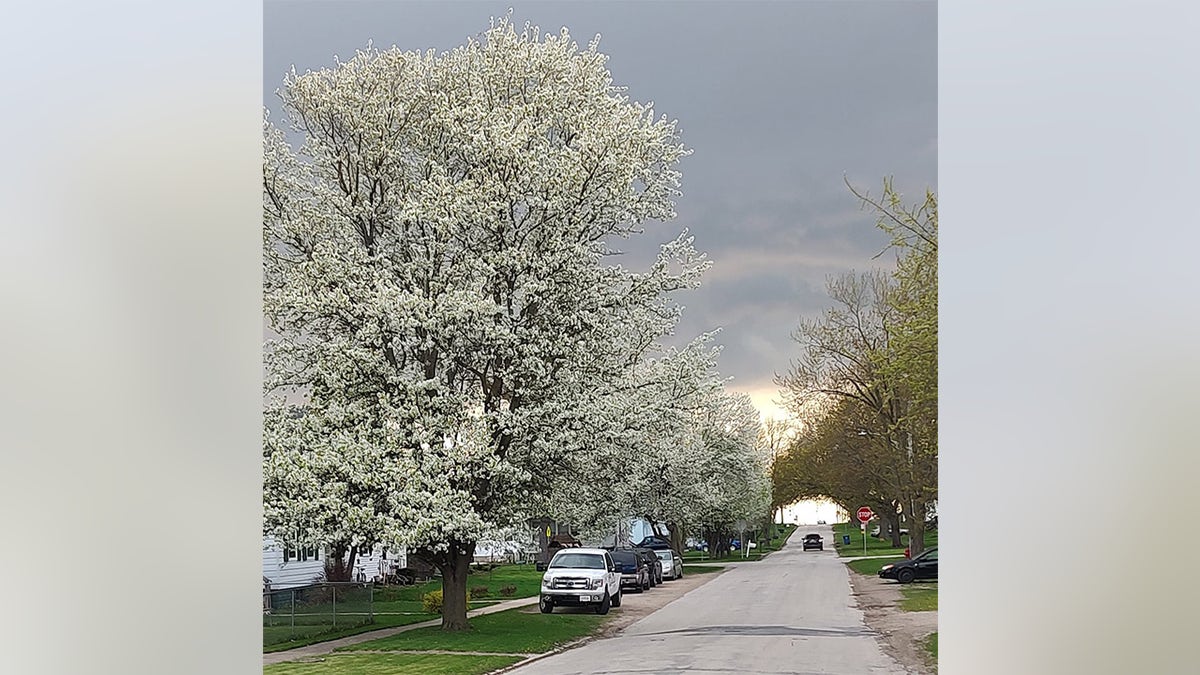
(432, 602)
(478, 591)
(508, 591)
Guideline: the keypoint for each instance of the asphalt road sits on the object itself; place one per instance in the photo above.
(790, 614)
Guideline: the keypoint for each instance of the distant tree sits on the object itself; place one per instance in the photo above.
(874, 355)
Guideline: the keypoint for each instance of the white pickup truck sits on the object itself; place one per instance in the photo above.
(581, 577)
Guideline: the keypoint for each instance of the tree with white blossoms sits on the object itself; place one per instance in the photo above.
(735, 485)
(436, 265)
(635, 447)
(688, 455)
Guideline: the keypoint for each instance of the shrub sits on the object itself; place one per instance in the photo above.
(508, 591)
(432, 602)
(478, 591)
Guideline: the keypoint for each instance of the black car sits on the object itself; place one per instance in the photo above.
(635, 571)
(656, 571)
(923, 566)
(813, 540)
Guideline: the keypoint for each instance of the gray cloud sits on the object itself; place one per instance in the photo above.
(778, 100)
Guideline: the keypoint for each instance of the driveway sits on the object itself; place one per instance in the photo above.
(791, 613)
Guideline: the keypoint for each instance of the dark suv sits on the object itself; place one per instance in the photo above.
(656, 570)
(813, 541)
(635, 572)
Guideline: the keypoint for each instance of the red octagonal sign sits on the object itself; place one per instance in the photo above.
(865, 514)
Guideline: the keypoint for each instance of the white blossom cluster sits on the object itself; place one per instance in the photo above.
(685, 452)
(437, 268)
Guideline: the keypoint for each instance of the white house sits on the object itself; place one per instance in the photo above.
(292, 566)
(302, 565)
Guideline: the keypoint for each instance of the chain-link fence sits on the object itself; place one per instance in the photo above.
(305, 611)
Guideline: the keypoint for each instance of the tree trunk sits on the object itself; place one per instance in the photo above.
(916, 527)
(336, 567)
(892, 520)
(676, 540)
(710, 538)
(456, 563)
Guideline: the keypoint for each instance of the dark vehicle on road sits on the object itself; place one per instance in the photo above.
(655, 543)
(656, 566)
(813, 540)
(635, 571)
(924, 566)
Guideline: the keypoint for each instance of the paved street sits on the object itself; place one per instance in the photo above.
(790, 614)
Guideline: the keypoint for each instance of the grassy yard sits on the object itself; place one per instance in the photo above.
(515, 631)
(919, 597)
(394, 664)
(874, 546)
(931, 646)
(395, 606)
(871, 566)
(279, 638)
(701, 569)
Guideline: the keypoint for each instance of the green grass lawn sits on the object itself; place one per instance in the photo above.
(392, 606)
(871, 566)
(525, 577)
(279, 638)
(393, 664)
(931, 646)
(919, 597)
(701, 569)
(874, 546)
(515, 631)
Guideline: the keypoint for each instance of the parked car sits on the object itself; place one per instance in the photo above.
(655, 543)
(671, 563)
(924, 566)
(635, 571)
(581, 577)
(813, 540)
(656, 566)
(820, 522)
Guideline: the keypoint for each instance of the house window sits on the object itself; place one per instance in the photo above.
(301, 553)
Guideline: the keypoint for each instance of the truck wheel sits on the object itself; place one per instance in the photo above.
(546, 606)
(602, 608)
(616, 601)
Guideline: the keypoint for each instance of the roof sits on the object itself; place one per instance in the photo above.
(597, 551)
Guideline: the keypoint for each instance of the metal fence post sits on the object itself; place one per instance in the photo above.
(292, 634)
(371, 603)
(334, 606)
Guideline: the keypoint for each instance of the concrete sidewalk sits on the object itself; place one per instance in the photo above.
(327, 647)
(871, 557)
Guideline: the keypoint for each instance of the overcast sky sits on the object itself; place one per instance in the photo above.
(779, 100)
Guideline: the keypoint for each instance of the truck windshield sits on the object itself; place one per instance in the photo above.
(578, 561)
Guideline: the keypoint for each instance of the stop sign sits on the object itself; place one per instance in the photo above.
(864, 514)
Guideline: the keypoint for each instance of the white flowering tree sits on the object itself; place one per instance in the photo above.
(635, 442)
(688, 455)
(734, 483)
(437, 266)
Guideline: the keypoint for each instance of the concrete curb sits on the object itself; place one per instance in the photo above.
(538, 657)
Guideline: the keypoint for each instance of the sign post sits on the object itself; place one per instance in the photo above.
(864, 514)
